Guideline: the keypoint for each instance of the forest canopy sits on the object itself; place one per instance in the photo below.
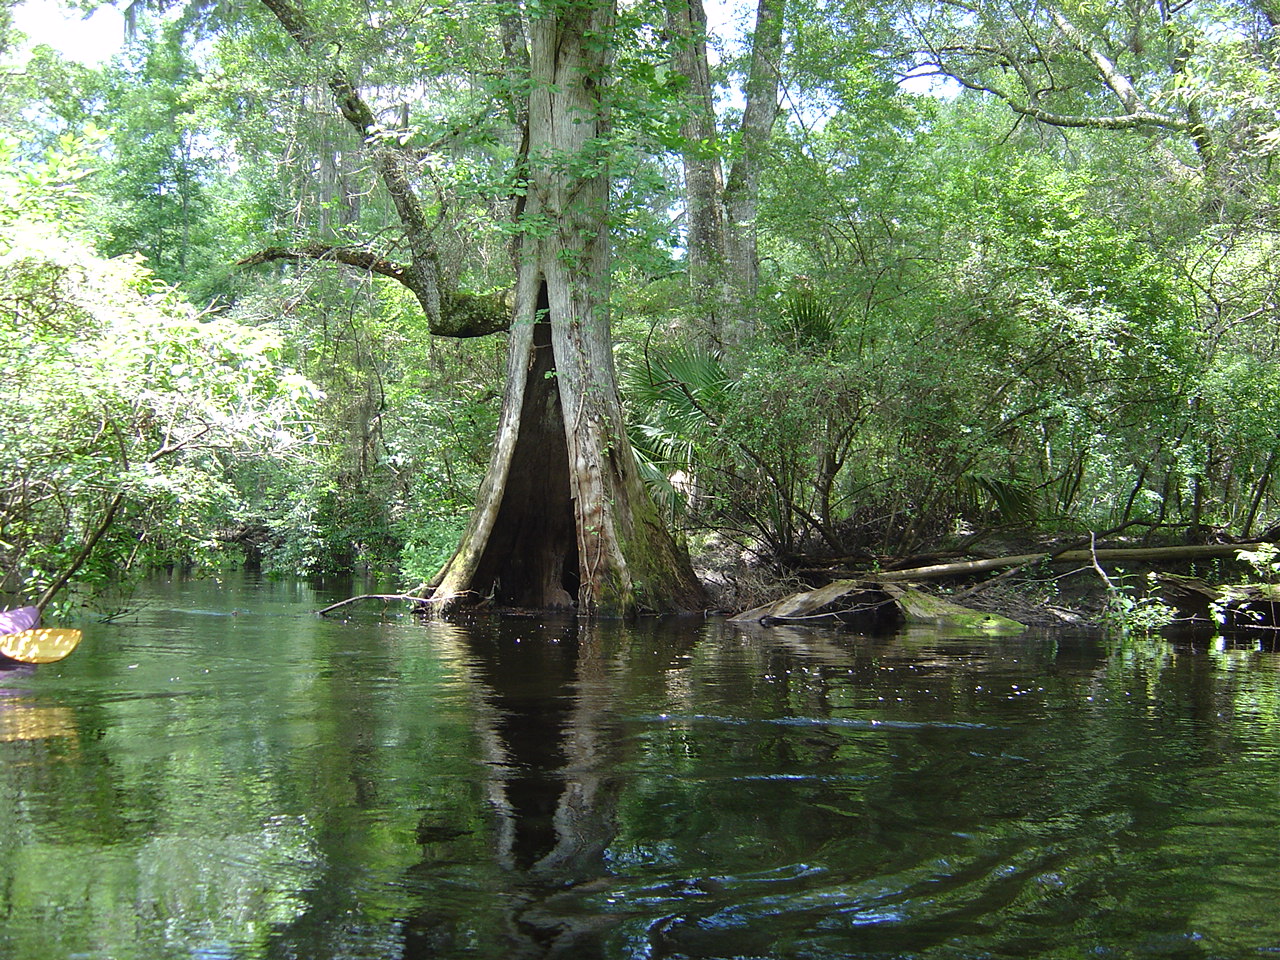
(877, 278)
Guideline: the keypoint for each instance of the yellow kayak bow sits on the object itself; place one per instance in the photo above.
(41, 645)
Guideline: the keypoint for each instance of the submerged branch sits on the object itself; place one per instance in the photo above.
(418, 602)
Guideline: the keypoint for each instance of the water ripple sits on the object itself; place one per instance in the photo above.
(846, 722)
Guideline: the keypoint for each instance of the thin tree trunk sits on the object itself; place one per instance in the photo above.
(86, 550)
(1259, 494)
(705, 217)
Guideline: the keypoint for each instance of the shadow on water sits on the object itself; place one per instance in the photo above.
(227, 776)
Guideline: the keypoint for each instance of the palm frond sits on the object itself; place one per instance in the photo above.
(810, 317)
(1011, 499)
(675, 400)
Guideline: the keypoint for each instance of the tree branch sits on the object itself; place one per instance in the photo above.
(419, 603)
(449, 313)
(1116, 81)
(998, 51)
(86, 549)
(350, 256)
(1121, 121)
(458, 315)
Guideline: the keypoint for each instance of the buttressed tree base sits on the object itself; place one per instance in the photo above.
(563, 517)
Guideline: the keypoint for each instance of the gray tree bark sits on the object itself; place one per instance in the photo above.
(706, 220)
(563, 514)
(742, 190)
(724, 262)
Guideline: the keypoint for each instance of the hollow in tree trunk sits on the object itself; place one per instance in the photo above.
(563, 517)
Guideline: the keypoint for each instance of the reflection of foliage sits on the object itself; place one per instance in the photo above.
(358, 796)
(232, 823)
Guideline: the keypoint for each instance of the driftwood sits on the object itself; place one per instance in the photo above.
(855, 597)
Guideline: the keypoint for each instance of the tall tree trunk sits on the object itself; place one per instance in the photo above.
(706, 222)
(742, 191)
(721, 213)
(562, 509)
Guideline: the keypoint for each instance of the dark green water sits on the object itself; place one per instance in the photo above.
(266, 784)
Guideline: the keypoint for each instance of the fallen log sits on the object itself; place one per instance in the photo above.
(1132, 554)
(811, 604)
(850, 599)
(925, 608)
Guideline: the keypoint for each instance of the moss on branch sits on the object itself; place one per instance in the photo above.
(449, 313)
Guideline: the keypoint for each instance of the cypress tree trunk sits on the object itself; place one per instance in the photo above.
(742, 190)
(563, 514)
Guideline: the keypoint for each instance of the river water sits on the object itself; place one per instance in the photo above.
(223, 775)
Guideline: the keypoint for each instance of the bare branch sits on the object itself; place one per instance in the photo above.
(351, 256)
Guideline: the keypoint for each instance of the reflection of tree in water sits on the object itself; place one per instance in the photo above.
(524, 789)
(785, 794)
(552, 748)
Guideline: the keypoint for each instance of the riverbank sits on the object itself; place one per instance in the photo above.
(1037, 582)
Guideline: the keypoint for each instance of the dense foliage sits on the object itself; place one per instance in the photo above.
(126, 411)
(1015, 265)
